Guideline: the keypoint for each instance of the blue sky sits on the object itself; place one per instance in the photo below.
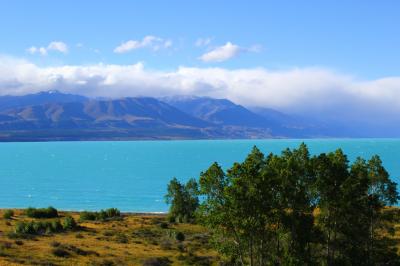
(357, 37)
(296, 56)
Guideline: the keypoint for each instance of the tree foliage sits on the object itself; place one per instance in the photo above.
(294, 209)
(183, 200)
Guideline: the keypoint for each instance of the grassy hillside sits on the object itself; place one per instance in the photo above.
(131, 239)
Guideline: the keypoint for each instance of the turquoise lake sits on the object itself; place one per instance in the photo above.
(133, 175)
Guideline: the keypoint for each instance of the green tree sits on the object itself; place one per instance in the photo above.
(298, 199)
(260, 211)
(331, 173)
(183, 200)
(352, 200)
(295, 209)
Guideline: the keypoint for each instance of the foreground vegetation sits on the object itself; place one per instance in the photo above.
(118, 239)
(130, 239)
(294, 209)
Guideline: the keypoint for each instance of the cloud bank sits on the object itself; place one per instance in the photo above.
(297, 90)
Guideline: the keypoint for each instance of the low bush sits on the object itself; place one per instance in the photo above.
(55, 226)
(49, 212)
(13, 235)
(121, 238)
(60, 252)
(19, 242)
(108, 233)
(180, 236)
(162, 261)
(163, 225)
(44, 227)
(8, 214)
(69, 223)
(103, 215)
(70, 249)
(36, 228)
(55, 244)
(87, 216)
(109, 213)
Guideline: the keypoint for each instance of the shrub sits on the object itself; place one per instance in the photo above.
(112, 212)
(163, 225)
(108, 214)
(40, 227)
(87, 216)
(69, 223)
(60, 252)
(180, 236)
(8, 214)
(55, 244)
(49, 212)
(55, 226)
(102, 215)
(76, 250)
(121, 238)
(109, 233)
(162, 261)
(24, 228)
(19, 242)
(171, 219)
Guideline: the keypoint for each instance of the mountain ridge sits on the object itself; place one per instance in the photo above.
(53, 115)
(57, 116)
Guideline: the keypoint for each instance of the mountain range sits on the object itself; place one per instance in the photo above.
(53, 115)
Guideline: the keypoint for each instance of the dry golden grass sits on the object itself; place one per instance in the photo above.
(129, 241)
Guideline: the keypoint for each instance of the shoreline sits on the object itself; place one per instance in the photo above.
(134, 213)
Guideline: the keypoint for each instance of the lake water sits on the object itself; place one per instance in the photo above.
(133, 175)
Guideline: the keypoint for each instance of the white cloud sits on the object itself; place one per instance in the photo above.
(167, 43)
(202, 42)
(58, 46)
(298, 90)
(40, 50)
(221, 53)
(225, 52)
(53, 46)
(152, 42)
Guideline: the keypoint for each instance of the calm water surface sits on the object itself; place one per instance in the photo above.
(133, 175)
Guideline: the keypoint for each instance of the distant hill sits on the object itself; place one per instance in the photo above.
(225, 112)
(54, 115)
(49, 115)
(218, 111)
(7, 102)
